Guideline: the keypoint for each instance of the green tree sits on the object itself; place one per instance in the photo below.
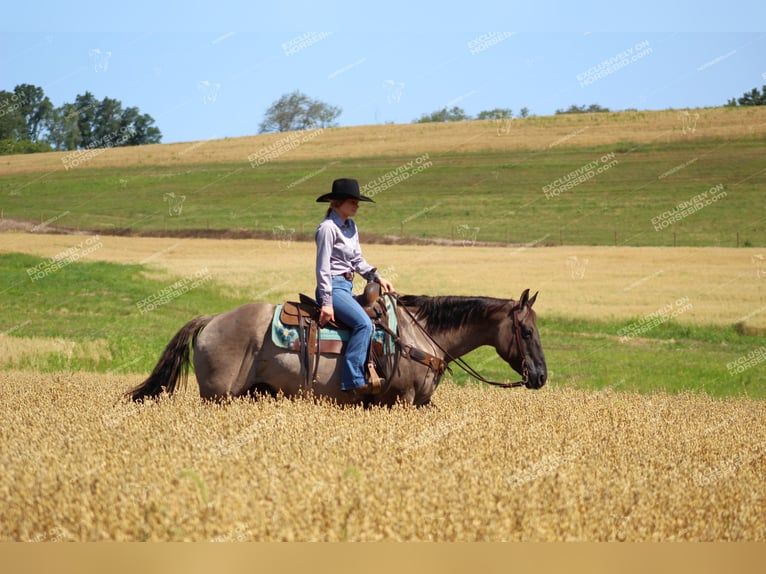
(11, 121)
(454, 114)
(296, 111)
(63, 128)
(86, 106)
(29, 122)
(137, 128)
(573, 109)
(106, 125)
(35, 108)
(751, 98)
(90, 122)
(496, 114)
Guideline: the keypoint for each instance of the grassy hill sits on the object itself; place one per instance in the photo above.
(589, 179)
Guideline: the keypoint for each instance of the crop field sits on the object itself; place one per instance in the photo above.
(483, 464)
(651, 426)
(628, 441)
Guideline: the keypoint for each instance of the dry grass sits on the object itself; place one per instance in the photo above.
(484, 464)
(724, 286)
(17, 350)
(382, 140)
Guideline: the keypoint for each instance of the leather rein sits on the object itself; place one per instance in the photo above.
(463, 364)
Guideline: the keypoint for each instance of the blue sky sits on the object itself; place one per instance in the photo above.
(210, 70)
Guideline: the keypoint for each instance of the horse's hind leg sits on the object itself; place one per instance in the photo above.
(225, 351)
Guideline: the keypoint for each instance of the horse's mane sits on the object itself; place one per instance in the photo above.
(451, 312)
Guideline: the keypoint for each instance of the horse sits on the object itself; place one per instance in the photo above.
(234, 354)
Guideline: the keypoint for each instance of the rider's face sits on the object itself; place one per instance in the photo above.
(348, 208)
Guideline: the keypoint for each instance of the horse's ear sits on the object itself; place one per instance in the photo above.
(524, 299)
(532, 299)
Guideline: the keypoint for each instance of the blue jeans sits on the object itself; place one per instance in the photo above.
(349, 312)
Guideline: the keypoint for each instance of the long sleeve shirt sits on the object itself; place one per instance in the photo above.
(338, 252)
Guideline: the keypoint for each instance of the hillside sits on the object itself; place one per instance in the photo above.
(633, 178)
(533, 133)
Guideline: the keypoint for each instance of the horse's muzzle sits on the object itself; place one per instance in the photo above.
(536, 380)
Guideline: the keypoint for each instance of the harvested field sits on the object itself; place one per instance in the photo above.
(483, 464)
(601, 283)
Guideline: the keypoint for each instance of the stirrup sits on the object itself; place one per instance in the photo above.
(375, 382)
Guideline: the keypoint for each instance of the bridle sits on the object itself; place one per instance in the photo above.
(468, 368)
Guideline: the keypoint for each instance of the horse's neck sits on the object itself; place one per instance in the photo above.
(463, 340)
(461, 337)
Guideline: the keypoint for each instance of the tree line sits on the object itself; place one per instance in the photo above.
(751, 98)
(30, 123)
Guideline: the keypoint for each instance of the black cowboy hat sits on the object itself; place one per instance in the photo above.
(344, 188)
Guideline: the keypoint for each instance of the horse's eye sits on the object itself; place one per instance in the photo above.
(526, 334)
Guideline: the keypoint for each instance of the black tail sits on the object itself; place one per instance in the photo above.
(173, 366)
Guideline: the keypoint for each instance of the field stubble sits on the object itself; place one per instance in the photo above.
(483, 464)
(725, 286)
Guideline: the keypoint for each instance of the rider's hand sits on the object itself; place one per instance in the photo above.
(386, 285)
(326, 314)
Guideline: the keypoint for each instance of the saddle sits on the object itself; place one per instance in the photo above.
(304, 315)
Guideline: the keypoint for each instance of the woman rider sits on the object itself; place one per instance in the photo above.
(339, 256)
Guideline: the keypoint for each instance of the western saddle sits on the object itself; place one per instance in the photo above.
(304, 314)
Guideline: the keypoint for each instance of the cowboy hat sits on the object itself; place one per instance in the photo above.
(344, 188)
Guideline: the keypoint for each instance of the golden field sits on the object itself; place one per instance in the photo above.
(725, 286)
(82, 464)
(482, 464)
(532, 133)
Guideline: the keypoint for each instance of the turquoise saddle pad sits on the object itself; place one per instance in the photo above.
(284, 335)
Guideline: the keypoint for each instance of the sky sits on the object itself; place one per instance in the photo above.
(210, 70)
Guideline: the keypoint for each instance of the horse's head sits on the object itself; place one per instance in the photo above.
(519, 342)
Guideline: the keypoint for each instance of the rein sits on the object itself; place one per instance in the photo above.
(463, 364)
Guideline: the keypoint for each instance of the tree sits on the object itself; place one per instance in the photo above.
(86, 105)
(496, 114)
(29, 123)
(34, 108)
(63, 128)
(90, 122)
(296, 111)
(454, 114)
(108, 117)
(137, 128)
(593, 108)
(11, 121)
(751, 98)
